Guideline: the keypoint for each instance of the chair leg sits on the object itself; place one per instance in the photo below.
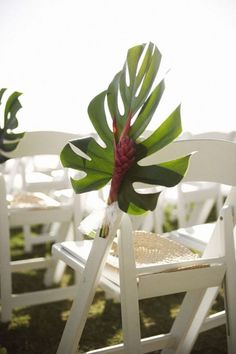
(181, 207)
(27, 238)
(86, 289)
(6, 288)
(5, 258)
(56, 271)
(128, 290)
(227, 228)
(219, 201)
(158, 215)
(193, 312)
(197, 303)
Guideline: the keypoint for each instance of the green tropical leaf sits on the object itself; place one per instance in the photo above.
(166, 174)
(1, 94)
(147, 81)
(93, 181)
(134, 93)
(12, 107)
(135, 203)
(8, 139)
(13, 136)
(120, 115)
(3, 158)
(8, 147)
(98, 163)
(169, 130)
(97, 115)
(112, 96)
(147, 111)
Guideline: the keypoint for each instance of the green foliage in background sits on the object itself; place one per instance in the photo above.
(8, 138)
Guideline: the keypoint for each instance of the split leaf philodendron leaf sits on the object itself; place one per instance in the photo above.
(131, 103)
(8, 139)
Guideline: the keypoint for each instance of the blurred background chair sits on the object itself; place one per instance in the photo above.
(32, 174)
(133, 273)
(192, 203)
(25, 202)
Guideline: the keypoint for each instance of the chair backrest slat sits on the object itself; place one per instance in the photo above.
(42, 143)
(212, 160)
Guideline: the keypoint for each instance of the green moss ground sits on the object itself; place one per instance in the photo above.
(38, 329)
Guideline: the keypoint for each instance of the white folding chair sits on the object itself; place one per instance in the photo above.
(131, 280)
(30, 209)
(36, 174)
(218, 135)
(192, 202)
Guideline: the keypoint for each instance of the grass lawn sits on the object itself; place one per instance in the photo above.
(38, 329)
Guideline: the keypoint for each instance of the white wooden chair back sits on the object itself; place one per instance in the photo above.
(207, 161)
(194, 200)
(33, 143)
(217, 135)
(42, 143)
(213, 161)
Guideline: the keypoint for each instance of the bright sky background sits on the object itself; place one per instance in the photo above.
(61, 53)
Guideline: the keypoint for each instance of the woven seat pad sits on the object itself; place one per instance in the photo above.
(153, 248)
(29, 200)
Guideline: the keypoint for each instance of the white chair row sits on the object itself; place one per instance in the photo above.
(191, 203)
(41, 204)
(26, 175)
(130, 279)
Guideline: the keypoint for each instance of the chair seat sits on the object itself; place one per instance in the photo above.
(76, 253)
(150, 250)
(23, 207)
(195, 237)
(27, 200)
(200, 278)
(153, 253)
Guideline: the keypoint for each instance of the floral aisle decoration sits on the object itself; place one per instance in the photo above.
(120, 115)
(9, 140)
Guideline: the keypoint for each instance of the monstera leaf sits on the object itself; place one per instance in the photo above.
(8, 139)
(131, 105)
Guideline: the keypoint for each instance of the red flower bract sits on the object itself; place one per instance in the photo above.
(124, 159)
